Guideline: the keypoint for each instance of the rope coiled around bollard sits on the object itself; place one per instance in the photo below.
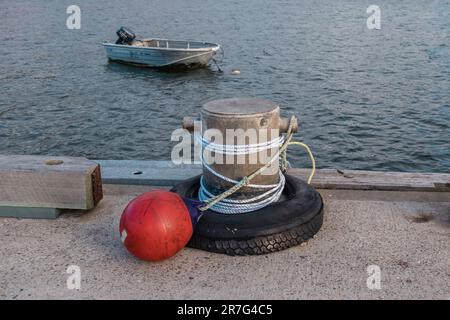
(220, 203)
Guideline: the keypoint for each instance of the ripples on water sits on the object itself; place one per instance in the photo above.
(366, 99)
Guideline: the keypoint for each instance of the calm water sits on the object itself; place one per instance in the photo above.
(366, 99)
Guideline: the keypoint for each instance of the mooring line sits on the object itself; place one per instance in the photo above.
(220, 204)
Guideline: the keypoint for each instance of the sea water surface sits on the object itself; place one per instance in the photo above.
(366, 99)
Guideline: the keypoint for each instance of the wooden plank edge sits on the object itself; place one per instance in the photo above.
(121, 172)
(29, 212)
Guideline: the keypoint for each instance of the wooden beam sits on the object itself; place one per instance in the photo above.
(29, 213)
(376, 180)
(165, 173)
(49, 182)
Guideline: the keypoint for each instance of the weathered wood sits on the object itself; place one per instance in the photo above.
(146, 172)
(49, 182)
(376, 180)
(29, 213)
(165, 173)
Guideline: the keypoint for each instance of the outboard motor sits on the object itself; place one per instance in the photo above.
(126, 36)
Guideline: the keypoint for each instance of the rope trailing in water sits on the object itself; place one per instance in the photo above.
(217, 65)
(220, 203)
(215, 61)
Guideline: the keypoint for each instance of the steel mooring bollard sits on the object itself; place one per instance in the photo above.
(240, 121)
(250, 205)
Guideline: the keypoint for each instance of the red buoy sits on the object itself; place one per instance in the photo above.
(156, 225)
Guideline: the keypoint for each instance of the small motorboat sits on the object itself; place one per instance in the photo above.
(159, 52)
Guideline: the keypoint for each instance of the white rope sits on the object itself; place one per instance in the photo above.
(236, 206)
(239, 149)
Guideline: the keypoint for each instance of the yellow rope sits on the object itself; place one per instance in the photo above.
(313, 161)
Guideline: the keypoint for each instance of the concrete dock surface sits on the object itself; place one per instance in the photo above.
(405, 234)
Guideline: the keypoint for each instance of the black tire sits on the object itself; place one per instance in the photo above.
(295, 218)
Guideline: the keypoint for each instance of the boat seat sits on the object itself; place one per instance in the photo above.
(138, 43)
